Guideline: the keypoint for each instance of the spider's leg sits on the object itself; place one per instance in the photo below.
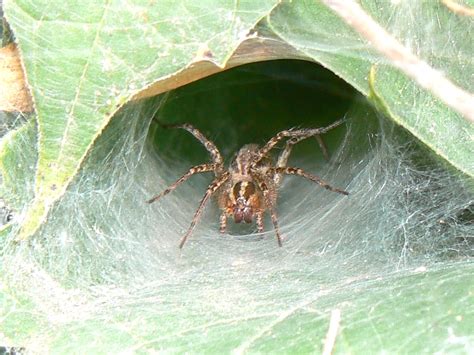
(259, 221)
(285, 154)
(210, 190)
(323, 147)
(314, 178)
(274, 217)
(223, 222)
(283, 157)
(270, 205)
(194, 170)
(209, 145)
(297, 134)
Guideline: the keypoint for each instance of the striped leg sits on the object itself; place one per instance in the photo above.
(298, 134)
(210, 190)
(269, 203)
(210, 147)
(223, 222)
(259, 221)
(285, 154)
(194, 170)
(323, 147)
(283, 158)
(314, 178)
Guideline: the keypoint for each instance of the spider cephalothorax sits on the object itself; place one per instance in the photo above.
(240, 197)
(250, 186)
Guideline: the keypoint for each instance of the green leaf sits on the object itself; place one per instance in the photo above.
(321, 35)
(435, 314)
(374, 319)
(80, 55)
(113, 279)
(85, 60)
(444, 131)
(104, 273)
(17, 170)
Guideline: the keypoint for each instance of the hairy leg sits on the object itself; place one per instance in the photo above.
(323, 147)
(285, 154)
(210, 190)
(297, 135)
(223, 222)
(269, 203)
(194, 170)
(209, 145)
(259, 221)
(314, 178)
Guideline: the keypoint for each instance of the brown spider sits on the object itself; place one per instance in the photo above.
(250, 186)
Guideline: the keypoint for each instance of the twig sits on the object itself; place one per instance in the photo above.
(458, 8)
(333, 329)
(426, 76)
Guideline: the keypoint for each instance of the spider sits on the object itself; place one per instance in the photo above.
(249, 187)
